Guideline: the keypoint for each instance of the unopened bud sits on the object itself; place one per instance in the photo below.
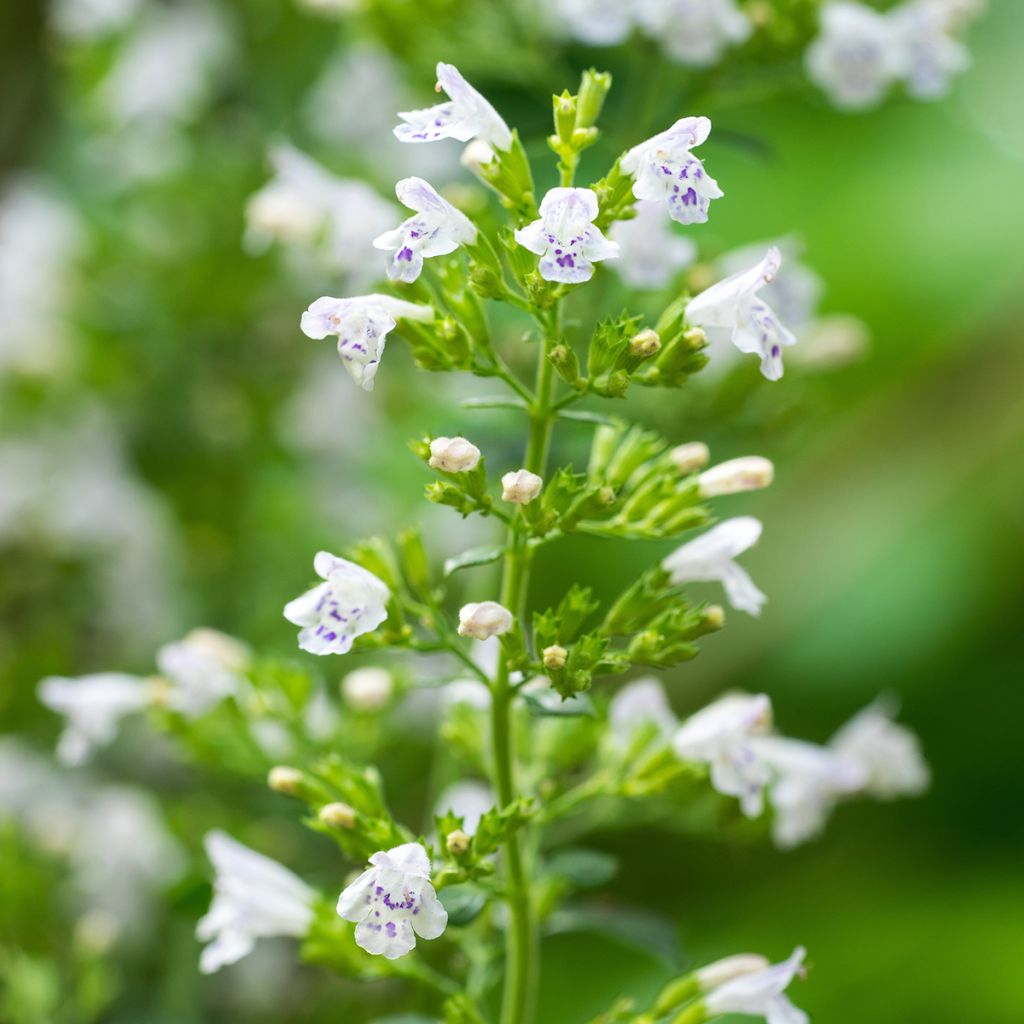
(645, 343)
(730, 967)
(695, 337)
(476, 155)
(554, 657)
(714, 616)
(688, 457)
(368, 689)
(520, 487)
(484, 619)
(337, 815)
(457, 842)
(282, 779)
(565, 117)
(606, 495)
(749, 473)
(453, 455)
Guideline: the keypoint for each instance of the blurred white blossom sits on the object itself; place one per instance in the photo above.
(694, 32)
(889, 754)
(469, 800)
(484, 619)
(202, 669)
(650, 253)
(761, 993)
(89, 20)
(640, 704)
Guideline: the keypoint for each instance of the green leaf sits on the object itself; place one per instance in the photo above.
(584, 868)
(494, 403)
(463, 902)
(586, 416)
(472, 557)
(547, 704)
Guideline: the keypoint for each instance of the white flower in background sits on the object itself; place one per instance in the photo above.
(453, 455)
(469, 800)
(747, 473)
(733, 308)
(436, 230)
(728, 968)
(856, 55)
(332, 8)
(932, 55)
(889, 754)
(393, 901)
(565, 237)
(722, 736)
(93, 707)
(203, 668)
(807, 781)
(639, 705)
(667, 171)
(761, 993)
(484, 619)
(351, 602)
(89, 20)
(520, 487)
(254, 898)
(694, 32)
(831, 343)
(466, 115)
(650, 253)
(361, 325)
(368, 689)
(709, 558)
(595, 22)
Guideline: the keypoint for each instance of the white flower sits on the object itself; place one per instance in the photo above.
(93, 707)
(203, 668)
(89, 20)
(469, 800)
(761, 993)
(689, 457)
(718, 973)
(889, 754)
(650, 253)
(694, 32)
(484, 619)
(453, 455)
(595, 22)
(436, 230)
(350, 603)
(748, 473)
(931, 55)
(393, 902)
(368, 689)
(565, 237)
(667, 171)
(732, 308)
(361, 325)
(856, 55)
(254, 897)
(466, 115)
(710, 558)
(640, 704)
(722, 736)
(520, 487)
(807, 780)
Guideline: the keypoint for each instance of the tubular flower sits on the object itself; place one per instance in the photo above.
(761, 993)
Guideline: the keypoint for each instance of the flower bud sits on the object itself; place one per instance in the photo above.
(714, 616)
(645, 343)
(554, 656)
(520, 487)
(749, 473)
(565, 116)
(476, 155)
(282, 779)
(484, 619)
(457, 842)
(337, 815)
(730, 967)
(453, 455)
(368, 689)
(593, 90)
(688, 457)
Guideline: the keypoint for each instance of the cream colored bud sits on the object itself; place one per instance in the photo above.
(457, 842)
(730, 967)
(554, 656)
(283, 779)
(520, 487)
(337, 815)
(453, 455)
(714, 616)
(484, 619)
(368, 689)
(606, 494)
(645, 343)
(695, 337)
(688, 457)
(749, 473)
(475, 155)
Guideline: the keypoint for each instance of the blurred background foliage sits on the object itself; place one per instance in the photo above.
(893, 552)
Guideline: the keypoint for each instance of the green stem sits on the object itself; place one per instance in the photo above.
(521, 937)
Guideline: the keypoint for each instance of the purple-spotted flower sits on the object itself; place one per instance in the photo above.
(436, 230)
(733, 309)
(565, 237)
(667, 171)
(393, 901)
(350, 602)
(466, 115)
(361, 325)
(761, 993)
(711, 558)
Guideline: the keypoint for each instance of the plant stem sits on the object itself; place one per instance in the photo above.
(521, 937)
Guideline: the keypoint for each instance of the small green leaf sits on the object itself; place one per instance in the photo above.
(463, 902)
(585, 416)
(587, 869)
(547, 704)
(472, 557)
(493, 403)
